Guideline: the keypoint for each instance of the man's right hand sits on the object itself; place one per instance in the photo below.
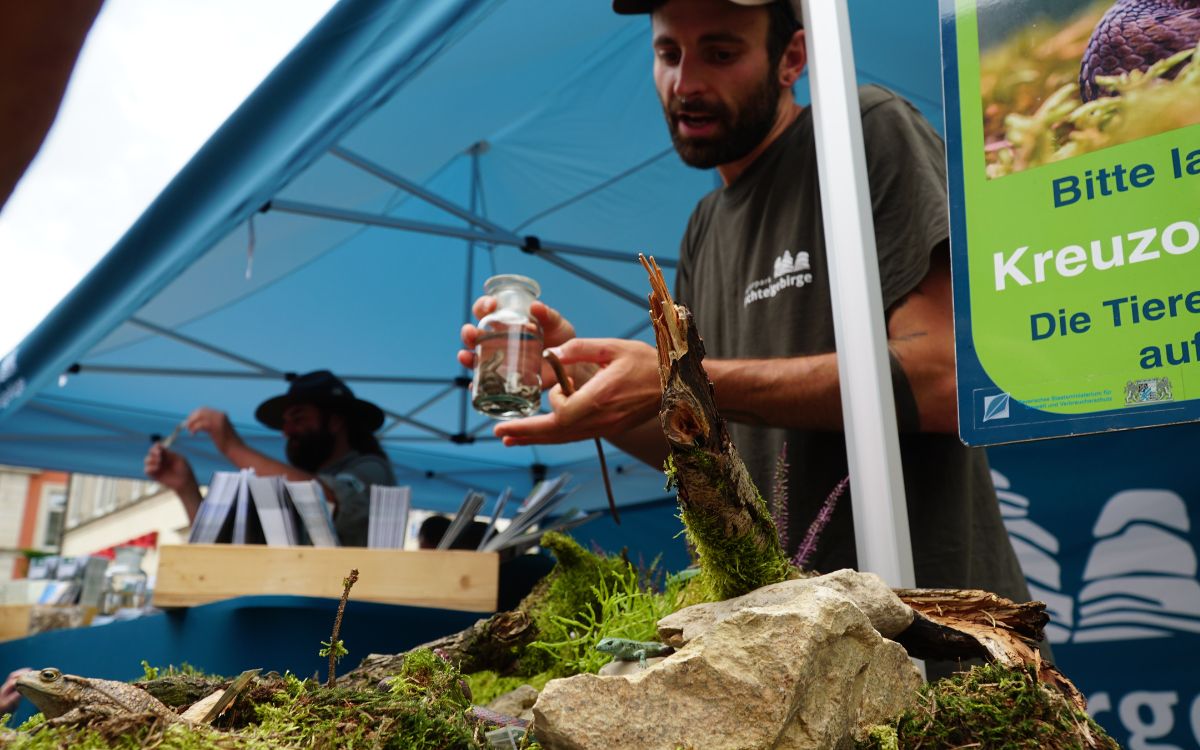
(173, 471)
(556, 330)
(168, 468)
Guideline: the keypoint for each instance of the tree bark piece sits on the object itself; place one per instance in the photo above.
(493, 643)
(726, 518)
(968, 624)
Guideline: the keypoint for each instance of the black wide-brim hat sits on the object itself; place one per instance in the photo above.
(320, 388)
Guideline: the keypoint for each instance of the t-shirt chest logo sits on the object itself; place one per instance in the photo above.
(790, 272)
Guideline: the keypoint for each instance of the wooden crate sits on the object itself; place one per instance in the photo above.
(14, 621)
(447, 579)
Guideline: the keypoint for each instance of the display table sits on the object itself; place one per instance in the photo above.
(446, 579)
(14, 621)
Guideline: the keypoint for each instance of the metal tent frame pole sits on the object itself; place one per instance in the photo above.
(481, 229)
(868, 405)
(184, 372)
(545, 251)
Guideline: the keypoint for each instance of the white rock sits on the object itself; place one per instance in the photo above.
(869, 593)
(804, 673)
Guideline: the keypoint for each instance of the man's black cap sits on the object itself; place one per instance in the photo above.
(634, 7)
(320, 388)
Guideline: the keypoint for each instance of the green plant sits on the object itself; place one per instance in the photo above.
(586, 598)
(149, 672)
(184, 669)
(624, 610)
(334, 648)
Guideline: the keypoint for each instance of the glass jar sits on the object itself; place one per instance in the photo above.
(508, 353)
(124, 582)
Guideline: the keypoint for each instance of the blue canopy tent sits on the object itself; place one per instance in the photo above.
(346, 215)
(407, 150)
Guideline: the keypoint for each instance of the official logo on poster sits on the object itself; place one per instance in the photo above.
(1147, 391)
(995, 407)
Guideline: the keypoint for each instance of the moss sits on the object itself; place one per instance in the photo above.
(570, 593)
(120, 734)
(183, 670)
(623, 610)
(425, 673)
(586, 598)
(731, 564)
(671, 471)
(990, 706)
(424, 709)
(883, 737)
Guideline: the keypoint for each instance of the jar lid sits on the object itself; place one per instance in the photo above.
(496, 283)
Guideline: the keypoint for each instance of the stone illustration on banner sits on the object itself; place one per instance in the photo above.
(1140, 579)
(1037, 551)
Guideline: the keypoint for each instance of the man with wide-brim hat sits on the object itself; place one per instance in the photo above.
(330, 438)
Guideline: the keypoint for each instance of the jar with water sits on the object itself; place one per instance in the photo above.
(508, 353)
(125, 581)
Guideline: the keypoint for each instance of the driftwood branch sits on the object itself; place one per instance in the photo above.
(721, 507)
(493, 644)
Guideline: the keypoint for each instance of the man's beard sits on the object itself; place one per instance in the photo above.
(737, 133)
(309, 451)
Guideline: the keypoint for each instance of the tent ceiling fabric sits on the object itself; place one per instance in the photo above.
(288, 243)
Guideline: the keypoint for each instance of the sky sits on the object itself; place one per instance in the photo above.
(154, 80)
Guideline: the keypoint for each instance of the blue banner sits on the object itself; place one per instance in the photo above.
(1107, 529)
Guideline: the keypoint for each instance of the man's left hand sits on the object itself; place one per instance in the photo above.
(218, 427)
(625, 392)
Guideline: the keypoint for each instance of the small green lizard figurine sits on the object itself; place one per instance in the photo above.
(623, 649)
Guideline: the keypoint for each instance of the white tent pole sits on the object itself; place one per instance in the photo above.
(868, 406)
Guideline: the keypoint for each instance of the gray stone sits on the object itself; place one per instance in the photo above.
(879, 603)
(805, 673)
(516, 702)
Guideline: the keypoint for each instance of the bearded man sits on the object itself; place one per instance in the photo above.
(330, 438)
(753, 270)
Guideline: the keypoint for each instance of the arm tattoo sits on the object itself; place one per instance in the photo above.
(743, 417)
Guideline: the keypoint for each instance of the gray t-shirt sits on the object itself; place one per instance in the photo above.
(350, 478)
(753, 272)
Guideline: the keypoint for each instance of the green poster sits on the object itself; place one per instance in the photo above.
(1073, 134)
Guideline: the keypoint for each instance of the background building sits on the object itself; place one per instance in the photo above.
(104, 512)
(32, 510)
